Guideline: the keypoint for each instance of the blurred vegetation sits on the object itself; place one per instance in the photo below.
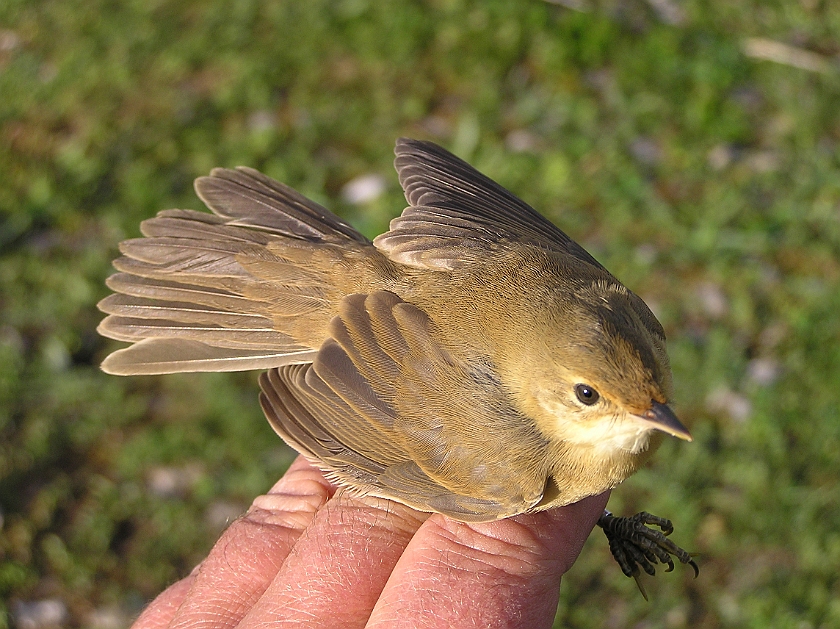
(707, 179)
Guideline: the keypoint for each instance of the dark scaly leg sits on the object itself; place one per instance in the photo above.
(633, 544)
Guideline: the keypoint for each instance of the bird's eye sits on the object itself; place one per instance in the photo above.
(586, 394)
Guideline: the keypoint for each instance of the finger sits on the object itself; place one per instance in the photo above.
(161, 610)
(249, 554)
(338, 567)
(495, 574)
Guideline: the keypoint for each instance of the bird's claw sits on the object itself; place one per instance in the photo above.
(634, 544)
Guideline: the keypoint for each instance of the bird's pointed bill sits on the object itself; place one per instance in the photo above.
(661, 417)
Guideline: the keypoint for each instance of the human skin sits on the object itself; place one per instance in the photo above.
(309, 555)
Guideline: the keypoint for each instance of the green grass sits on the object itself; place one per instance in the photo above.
(709, 182)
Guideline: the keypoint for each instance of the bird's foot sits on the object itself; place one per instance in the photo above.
(634, 544)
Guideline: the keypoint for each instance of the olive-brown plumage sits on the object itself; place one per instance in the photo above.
(473, 360)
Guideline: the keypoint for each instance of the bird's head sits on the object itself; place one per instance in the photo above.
(599, 377)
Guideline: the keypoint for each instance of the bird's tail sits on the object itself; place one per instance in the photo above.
(234, 290)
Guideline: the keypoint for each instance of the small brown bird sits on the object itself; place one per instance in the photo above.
(473, 361)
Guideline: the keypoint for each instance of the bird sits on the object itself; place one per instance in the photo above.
(473, 360)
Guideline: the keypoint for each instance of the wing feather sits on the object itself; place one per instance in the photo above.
(384, 389)
(456, 212)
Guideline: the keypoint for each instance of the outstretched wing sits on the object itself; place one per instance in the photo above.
(456, 212)
(388, 411)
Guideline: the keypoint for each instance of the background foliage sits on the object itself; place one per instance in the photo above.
(704, 177)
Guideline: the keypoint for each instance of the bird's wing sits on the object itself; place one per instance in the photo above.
(455, 212)
(457, 448)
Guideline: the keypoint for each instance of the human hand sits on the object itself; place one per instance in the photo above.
(309, 555)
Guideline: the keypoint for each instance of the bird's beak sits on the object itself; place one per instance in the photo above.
(661, 417)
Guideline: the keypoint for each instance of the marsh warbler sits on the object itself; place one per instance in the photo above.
(473, 361)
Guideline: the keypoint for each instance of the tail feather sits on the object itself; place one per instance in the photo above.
(134, 329)
(187, 255)
(157, 289)
(181, 312)
(231, 284)
(158, 356)
(193, 225)
(246, 197)
(217, 292)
